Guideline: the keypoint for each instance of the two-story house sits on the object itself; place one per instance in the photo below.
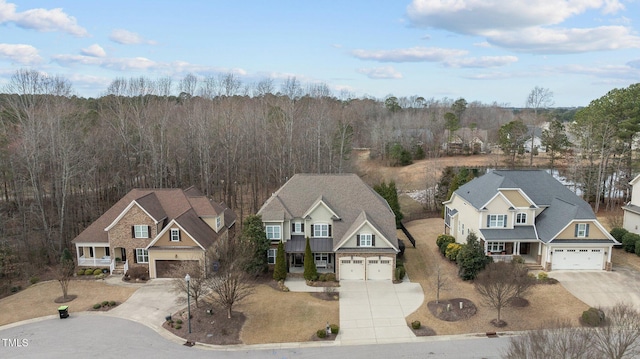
(154, 228)
(631, 221)
(530, 214)
(351, 228)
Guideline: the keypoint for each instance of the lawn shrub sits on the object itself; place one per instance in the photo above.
(80, 271)
(629, 242)
(16, 289)
(330, 277)
(321, 333)
(112, 303)
(138, 273)
(105, 303)
(400, 273)
(179, 321)
(322, 277)
(178, 326)
(593, 317)
(97, 271)
(443, 241)
(416, 324)
(88, 271)
(97, 306)
(334, 328)
(34, 280)
(452, 251)
(618, 233)
(637, 248)
(542, 276)
(517, 260)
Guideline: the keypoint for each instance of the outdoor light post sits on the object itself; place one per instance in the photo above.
(188, 279)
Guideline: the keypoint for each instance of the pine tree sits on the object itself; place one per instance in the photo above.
(280, 270)
(310, 270)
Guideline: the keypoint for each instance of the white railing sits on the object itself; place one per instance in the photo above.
(502, 257)
(105, 261)
(126, 266)
(321, 264)
(112, 266)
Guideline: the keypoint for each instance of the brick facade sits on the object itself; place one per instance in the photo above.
(120, 235)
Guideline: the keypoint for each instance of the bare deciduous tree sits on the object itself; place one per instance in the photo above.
(231, 283)
(558, 340)
(497, 287)
(618, 337)
(64, 272)
(197, 283)
(440, 282)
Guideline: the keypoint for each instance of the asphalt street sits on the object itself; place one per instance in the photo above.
(102, 336)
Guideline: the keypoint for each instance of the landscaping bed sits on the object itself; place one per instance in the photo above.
(209, 325)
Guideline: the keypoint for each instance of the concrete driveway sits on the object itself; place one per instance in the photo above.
(150, 304)
(373, 312)
(602, 289)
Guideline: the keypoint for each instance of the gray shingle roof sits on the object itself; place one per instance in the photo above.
(517, 233)
(346, 194)
(561, 206)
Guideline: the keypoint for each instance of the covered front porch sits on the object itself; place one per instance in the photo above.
(93, 254)
(504, 244)
(321, 249)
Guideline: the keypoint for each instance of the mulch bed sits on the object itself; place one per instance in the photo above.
(330, 337)
(70, 297)
(519, 302)
(454, 314)
(208, 328)
(104, 308)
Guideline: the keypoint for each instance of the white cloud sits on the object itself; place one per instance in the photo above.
(414, 54)
(20, 53)
(94, 50)
(482, 44)
(481, 62)
(122, 64)
(476, 16)
(532, 26)
(42, 20)
(126, 37)
(557, 41)
(376, 73)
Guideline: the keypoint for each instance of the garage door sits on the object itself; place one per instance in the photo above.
(379, 268)
(574, 258)
(166, 268)
(352, 268)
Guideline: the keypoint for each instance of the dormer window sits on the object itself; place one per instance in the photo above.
(218, 222)
(175, 235)
(521, 218)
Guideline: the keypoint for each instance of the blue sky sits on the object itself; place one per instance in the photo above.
(482, 50)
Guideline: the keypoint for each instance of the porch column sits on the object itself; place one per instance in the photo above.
(77, 254)
(93, 248)
(516, 248)
(609, 254)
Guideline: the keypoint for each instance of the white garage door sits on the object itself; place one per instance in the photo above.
(379, 268)
(352, 268)
(574, 258)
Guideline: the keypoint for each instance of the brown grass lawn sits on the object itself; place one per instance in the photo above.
(280, 317)
(38, 300)
(547, 302)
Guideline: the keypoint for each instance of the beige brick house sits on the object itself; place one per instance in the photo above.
(154, 228)
(351, 228)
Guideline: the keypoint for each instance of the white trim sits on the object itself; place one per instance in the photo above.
(135, 253)
(370, 239)
(313, 233)
(279, 226)
(175, 231)
(166, 228)
(349, 235)
(315, 205)
(115, 221)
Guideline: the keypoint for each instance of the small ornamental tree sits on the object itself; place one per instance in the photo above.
(497, 287)
(310, 270)
(471, 258)
(65, 270)
(280, 270)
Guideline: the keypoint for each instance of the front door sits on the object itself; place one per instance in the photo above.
(123, 254)
(298, 260)
(524, 248)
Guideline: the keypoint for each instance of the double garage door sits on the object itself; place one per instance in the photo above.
(168, 268)
(361, 268)
(576, 258)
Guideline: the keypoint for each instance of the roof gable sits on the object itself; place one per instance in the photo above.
(126, 210)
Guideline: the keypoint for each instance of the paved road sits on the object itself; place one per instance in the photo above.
(93, 335)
